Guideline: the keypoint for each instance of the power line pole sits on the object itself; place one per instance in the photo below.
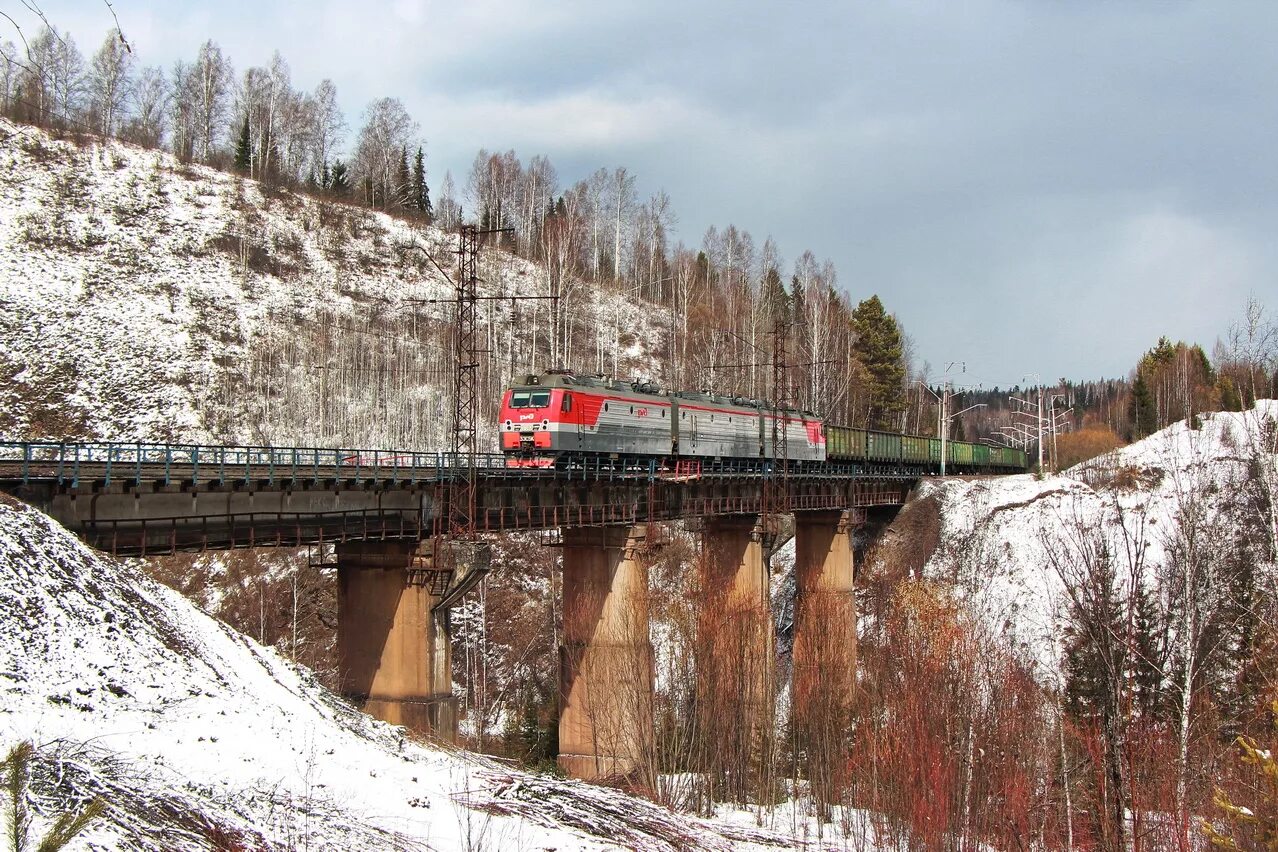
(943, 416)
(466, 360)
(945, 422)
(775, 490)
(1040, 426)
(1037, 420)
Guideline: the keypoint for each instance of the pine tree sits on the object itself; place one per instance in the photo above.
(16, 770)
(1144, 414)
(1253, 825)
(1147, 677)
(1229, 398)
(775, 299)
(338, 180)
(421, 192)
(244, 149)
(797, 304)
(879, 349)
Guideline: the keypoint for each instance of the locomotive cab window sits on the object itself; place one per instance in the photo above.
(566, 405)
(530, 399)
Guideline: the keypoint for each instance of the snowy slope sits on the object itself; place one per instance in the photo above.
(996, 533)
(145, 299)
(196, 735)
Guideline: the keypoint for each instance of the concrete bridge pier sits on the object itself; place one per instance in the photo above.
(734, 653)
(605, 662)
(825, 623)
(735, 633)
(394, 654)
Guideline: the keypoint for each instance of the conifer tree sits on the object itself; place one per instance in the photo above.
(244, 149)
(1229, 397)
(16, 772)
(421, 192)
(339, 181)
(1144, 414)
(1253, 825)
(879, 348)
(776, 300)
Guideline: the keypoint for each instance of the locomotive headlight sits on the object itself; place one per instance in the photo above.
(545, 424)
(508, 424)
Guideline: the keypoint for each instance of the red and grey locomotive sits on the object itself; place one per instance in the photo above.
(556, 414)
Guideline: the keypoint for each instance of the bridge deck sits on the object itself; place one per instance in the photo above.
(132, 498)
(106, 463)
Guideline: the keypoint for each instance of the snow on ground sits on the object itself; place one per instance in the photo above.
(195, 734)
(996, 532)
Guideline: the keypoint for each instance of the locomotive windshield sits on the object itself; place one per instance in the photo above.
(530, 399)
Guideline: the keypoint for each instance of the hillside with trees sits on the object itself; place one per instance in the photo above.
(722, 302)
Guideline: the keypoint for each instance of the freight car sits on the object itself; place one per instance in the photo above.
(555, 417)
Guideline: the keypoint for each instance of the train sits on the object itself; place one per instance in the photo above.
(556, 417)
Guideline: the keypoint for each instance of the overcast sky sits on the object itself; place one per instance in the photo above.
(1032, 187)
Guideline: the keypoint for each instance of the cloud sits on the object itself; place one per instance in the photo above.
(585, 121)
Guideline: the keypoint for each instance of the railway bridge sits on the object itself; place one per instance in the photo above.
(407, 531)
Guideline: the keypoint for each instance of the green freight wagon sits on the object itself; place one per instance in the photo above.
(1001, 457)
(882, 446)
(844, 442)
(981, 454)
(914, 449)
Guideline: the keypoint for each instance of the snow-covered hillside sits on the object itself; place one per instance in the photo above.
(145, 299)
(196, 735)
(1001, 540)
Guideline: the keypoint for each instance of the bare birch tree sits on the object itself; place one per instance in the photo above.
(109, 82)
(149, 97)
(621, 189)
(210, 82)
(388, 130)
(10, 68)
(328, 127)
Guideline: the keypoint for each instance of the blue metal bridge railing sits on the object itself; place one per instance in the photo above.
(66, 462)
